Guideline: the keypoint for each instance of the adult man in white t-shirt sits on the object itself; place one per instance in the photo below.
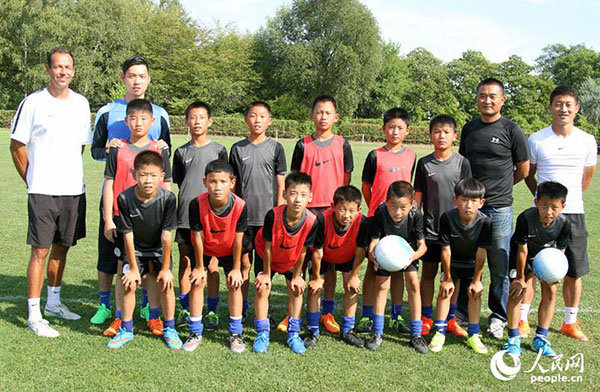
(49, 132)
(566, 154)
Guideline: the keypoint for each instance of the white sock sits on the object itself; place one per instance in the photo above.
(53, 296)
(195, 318)
(525, 312)
(33, 308)
(571, 315)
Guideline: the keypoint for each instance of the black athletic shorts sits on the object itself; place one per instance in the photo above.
(145, 264)
(183, 236)
(341, 267)
(512, 264)
(225, 262)
(55, 219)
(258, 269)
(107, 260)
(434, 251)
(576, 251)
(414, 266)
(462, 274)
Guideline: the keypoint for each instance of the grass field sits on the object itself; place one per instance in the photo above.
(78, 359)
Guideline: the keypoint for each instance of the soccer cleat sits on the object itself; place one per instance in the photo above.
(574, 331)
(283, 324)
(61, 311)
(437, 342)
(101, 315)
(330, 324)
(212, 321)
(192, 342)
(41, 328)
(183, 318)
(353, 339)
(236, 343)
(310, 340)
(120, 339)
(496, 328)
(419, 344)
(475, 343)
(374, 343)
(398, 324)
(365, 325)
(427, 325)
(296, 344)
(541, 343)
(524, 329)
(456, 329)
(261, 343)
(113, 328)
(145, 312)
(513, 346)
(171, 338)
(156, 327)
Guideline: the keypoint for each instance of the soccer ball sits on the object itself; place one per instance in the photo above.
(550, 265)
(393, 253)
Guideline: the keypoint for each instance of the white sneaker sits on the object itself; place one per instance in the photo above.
(41, 328)
(61, 311)
(496, 328)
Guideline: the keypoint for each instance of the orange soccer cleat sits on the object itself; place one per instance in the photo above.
(283, 325)
(155, 326)
(330, 324)
(524, 328)
(456, 329)
(113, 328)
(574, 331)
(427, 325)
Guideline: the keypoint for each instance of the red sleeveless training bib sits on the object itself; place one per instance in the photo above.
(219, 232)
(339, 249)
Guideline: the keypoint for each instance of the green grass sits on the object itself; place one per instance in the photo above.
(79, 358)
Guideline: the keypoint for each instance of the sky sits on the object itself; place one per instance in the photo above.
(446, 28)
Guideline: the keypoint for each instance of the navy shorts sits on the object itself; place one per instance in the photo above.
(55, 220)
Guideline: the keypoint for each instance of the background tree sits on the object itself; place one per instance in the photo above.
(569, 65)
(589, 97)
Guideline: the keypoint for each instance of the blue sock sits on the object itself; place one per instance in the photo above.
(127, 325)
(294, 326)
(452, 312)
(378, 323)
(184, 301)
(328, 306)
(213, 303)
(427, 311)
(473, 329)
(144, 298)
(396, 310)
(416, 326)
(105, 298)
(118, 314)
(235, 325)
(347, 323)
(154, 313)
(513, 332)
(245, 306)
(169, 323)
(367, 311)
(196, 325)
(262, 325)
(312, 319)
(440, 326)
(542, 332)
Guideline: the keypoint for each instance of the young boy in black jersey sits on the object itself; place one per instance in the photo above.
(537, 228)
(465, 235)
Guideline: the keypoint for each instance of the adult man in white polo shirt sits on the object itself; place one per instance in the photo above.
(49, 132)
(564, 153)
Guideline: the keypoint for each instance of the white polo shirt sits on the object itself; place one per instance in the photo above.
(562, 159)
(54, 131)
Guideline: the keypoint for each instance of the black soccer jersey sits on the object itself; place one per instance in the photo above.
(410, 228)
(465, 239)
(530, 231)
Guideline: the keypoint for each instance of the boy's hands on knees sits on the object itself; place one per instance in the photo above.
(198, 276)
(161, 144)
(166, 277)
(110, 230)
(517, 288)
(234, 278)
(475, 289)
(262, 282)
(316, 285)
(447, 288)
(131, 279)
(354, 284)
(298, 285)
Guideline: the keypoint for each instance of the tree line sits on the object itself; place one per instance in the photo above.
(308, 48)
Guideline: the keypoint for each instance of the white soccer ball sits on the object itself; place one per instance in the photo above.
(550, 265)
(393, 253)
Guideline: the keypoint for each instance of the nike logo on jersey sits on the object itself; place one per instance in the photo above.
(333, 247)
(454, 236)
(134, 215)
(189, 160)
(561, 148)
(531, 235)
(217, 231)
(430, 174)
(244, 158)
(285, 247)
(395, 169)
(322, 162)
(495, 140)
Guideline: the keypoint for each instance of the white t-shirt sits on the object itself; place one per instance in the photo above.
(54, 131)
(562, 159)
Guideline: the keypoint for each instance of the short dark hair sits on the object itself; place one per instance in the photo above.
(298, 178)
(138, 105)
(58, 50)
(396, 113)
(563, 89)
(552, 190)
(218, 166)
(258, 103)
(400, 189)
(134, 60)
(469, 187)
(196, 105)
(324, 98)
(347, 193)
(489, 81)
(148, 157)
(442, 119)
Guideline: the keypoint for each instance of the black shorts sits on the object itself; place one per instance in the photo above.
(258, 269)
(412, 267)
(512, 264)
(183, 236)
(341, 267)
(146, 264)
(107, 260)
(434, 251)
(225, 262)
(55, 219)
(462, 274)
(576, 251)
